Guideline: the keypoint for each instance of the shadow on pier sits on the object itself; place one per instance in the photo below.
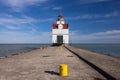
(102, 72)
(56, 44)
(52, 73)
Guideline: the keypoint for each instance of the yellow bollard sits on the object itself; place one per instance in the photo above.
(61, 48)
(63, 70)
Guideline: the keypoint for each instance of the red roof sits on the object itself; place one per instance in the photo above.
(55, 26)
(65, 26)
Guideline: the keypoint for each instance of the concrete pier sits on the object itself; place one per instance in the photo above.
(43, 64)
(106, 65)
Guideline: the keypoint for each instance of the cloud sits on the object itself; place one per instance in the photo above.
(25, 37)
(12, 27)
(13, 23)
(22, 29)
(16, 30)
(107, 36)
(112, 32)
(112, 14)
(91, 1)
(15, 20)
(57, 8)
(21, 4)
(46, 20)
(85, 16)
(95, 16)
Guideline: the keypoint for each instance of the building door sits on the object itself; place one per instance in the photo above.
(60, 39)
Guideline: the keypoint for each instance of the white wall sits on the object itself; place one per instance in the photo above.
(64, 32)
(60, 31)
(65, 39)
(54, 38)
(60, 22)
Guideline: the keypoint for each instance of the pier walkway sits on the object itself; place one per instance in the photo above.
(43, 64)
(106, 65)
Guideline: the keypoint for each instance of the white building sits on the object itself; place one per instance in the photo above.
(60, 32)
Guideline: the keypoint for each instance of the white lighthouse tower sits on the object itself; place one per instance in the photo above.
(60, 32)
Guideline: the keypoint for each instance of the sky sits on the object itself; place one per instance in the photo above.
(30, 21)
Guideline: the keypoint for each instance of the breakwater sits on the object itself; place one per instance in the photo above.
(43, 64)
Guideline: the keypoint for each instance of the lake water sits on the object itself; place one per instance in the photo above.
(9, 49)
(109, 49)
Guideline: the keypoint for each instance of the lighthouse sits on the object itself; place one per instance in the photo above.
(60, 31)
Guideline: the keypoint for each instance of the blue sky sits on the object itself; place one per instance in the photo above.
(30, 21)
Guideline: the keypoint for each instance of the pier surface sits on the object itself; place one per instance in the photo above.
(43, 64)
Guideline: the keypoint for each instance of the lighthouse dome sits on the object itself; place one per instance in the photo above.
(60, 19)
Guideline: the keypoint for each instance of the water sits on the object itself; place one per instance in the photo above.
(109, 49)
(9, 49)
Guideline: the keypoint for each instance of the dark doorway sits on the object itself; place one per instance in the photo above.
(60, 39)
